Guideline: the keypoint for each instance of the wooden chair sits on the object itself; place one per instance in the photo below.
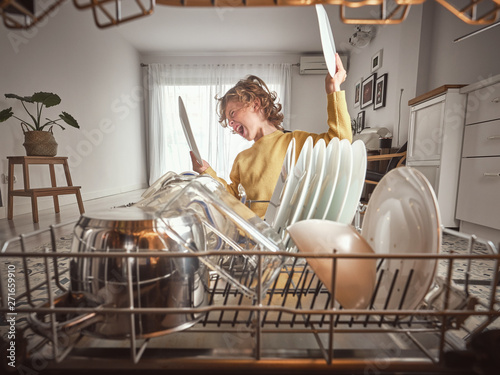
(396, 160)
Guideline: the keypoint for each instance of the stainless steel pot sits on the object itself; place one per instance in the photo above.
(160, 282)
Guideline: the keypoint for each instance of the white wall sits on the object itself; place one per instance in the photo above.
(399, 45)
(309, 103)
(98, 77)
(419, 55)
(464, 62)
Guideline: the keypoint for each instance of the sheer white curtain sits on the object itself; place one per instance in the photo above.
(198, 85)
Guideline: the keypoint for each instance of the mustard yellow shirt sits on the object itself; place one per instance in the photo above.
(258, 168)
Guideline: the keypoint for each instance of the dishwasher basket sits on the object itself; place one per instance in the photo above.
(295, 326)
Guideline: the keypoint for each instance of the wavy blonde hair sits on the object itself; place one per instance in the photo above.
(246, 91)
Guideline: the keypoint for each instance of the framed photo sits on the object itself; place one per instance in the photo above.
(360, 121)
(367, 90)
(376, 61)
(357, 93)
(380, 91)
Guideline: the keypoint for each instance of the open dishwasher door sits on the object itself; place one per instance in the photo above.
(284, 321)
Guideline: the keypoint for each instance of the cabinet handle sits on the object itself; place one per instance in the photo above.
(494, 137)
(491, 174)
(496, 100)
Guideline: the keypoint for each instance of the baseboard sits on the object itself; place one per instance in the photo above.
(22, 205)
(86, 196)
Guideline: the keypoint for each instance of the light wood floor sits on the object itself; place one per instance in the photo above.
(23, 224)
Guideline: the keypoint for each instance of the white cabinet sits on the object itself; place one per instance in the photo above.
(435, 143)
(478, 206)
(479, 191)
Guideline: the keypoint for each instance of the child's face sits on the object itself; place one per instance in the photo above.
(243, 119)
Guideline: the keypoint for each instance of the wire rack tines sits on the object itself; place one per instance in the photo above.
(295, 303)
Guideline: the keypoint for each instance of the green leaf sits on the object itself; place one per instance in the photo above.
(48, 99)
(70, 120)
(6, 114)
(28, 99)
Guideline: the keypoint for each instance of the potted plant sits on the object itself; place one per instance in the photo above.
(38, 137)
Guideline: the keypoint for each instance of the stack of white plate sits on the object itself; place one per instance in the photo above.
(325, 183)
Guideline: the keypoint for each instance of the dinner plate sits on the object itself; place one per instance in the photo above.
(286, 169)
(301, 192)
(403, 217)
(357, 182)
(332, 166)
(327, 41)
(318, 174)
(186, 126)
(292, 182)
(343, 181)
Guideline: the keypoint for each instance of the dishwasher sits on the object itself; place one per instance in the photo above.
(263, 310)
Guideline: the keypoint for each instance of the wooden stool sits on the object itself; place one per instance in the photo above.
(53, 191)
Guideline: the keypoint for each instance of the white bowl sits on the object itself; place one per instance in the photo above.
(355, 277)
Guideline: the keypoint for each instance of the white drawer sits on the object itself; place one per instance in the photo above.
(482, 139)
(478, 198)
(483, 104)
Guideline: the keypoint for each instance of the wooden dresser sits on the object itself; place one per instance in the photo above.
(478, 206)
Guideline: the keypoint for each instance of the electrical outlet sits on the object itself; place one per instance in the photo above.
(5, 178)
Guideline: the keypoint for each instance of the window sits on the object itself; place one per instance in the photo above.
(198, 85)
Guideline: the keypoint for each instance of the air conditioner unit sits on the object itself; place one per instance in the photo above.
(316, 64)
(313, 65)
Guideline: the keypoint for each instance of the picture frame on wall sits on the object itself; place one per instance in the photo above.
(376, 61)
(360, 121)
(380, 91)
(357, 93)
(367, 90)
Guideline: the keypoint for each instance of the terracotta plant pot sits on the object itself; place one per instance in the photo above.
(40, 143)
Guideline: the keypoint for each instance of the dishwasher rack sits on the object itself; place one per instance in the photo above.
(294, 326)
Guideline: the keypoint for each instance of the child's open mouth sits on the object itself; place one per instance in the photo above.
(239, 129)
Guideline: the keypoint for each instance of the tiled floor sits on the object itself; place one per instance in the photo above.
(474, 276)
